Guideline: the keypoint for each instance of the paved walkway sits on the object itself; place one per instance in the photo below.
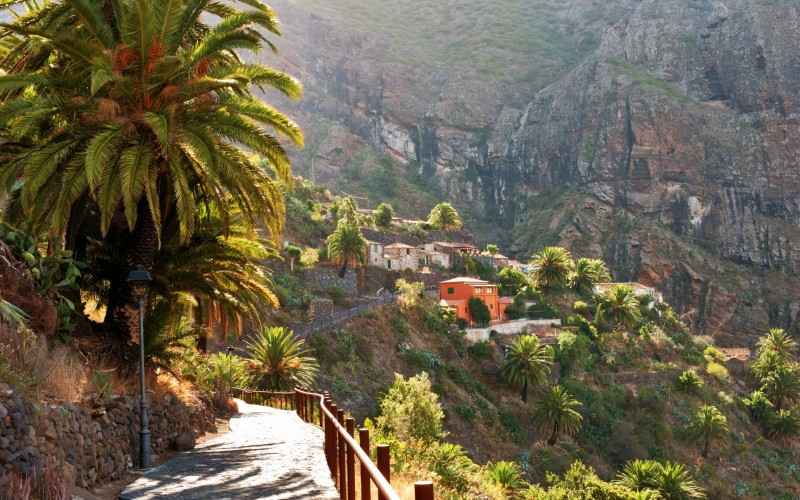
(269, 453)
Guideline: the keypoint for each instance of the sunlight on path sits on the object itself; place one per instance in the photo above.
(269, 453)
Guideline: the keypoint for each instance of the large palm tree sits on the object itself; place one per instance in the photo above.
(279, 361)
(555, 414)
(779, 342)
(139, 110)
(552, 267)
(620, 305)
(586, 273)
(706, 426)
(347, 246)
(784, 426)
(527, 364)
(444, 216)
(782, 385)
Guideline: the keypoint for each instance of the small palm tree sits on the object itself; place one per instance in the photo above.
(279, 361)
(689, 381)
(782, 385)
(555, 413)
(506, 475)
(639, 475)
(293, 253)
(779, 342)
(444, 216)
(527, 364)
(760, 406)
(706, 426)
(586, 273)
(453, 466)
(783, 426)
(619, 305)
(346, 246)
(552, 267)
(675, 483)
(766, 362)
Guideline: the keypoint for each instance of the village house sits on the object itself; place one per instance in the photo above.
(452, 249)
(375, 254)
(638, 289)
(517, 266)
(399, 257)
(457, 292)
(434, 258)
(500, 261)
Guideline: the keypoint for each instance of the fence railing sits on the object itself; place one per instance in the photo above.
(344, 315)
(340, 446)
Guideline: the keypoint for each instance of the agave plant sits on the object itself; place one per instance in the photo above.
(619, 305)
(706, 426)
(527, 364)
(555, 414)
(279, 361)
(140, 111)
(506, 475)
(552, 267)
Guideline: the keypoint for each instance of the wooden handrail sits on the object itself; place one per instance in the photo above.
(340, 445)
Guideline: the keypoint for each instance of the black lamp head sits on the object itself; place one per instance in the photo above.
(140, 275)
(231, 348)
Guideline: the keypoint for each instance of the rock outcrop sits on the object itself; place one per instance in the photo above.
(680, 126)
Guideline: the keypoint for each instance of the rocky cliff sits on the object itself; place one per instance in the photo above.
(660, 134)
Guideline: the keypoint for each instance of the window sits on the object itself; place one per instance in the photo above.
(491, 306)
(489, 291)
(408, 251)
(388, 264)
(478, 290)
(450, 290)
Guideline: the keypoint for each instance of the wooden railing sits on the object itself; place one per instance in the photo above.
(340, 447)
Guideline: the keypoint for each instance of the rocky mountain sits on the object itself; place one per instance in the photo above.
(662, 135)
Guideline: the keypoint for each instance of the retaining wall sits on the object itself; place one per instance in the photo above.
(474, 335)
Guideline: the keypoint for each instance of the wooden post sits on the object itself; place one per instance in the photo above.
(351, 461)
(384, 461)
(363, 438)
(342, 449)
(297, 397)
(423, 490)
(334, 447)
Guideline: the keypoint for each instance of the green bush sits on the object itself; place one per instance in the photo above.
(479, 350)
(479, 311)
(398, 325)
(692, 355)
(543, 310)
(712, 354)
(464, 412)
(282, 294)
(572, 352)
(462, 323)
(580, 322)
(717, 371)
(410, 410)
(689, 381)
(512, 426)
(322, 254)
(336, 293)
(581, 307)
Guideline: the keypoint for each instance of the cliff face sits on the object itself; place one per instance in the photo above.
(667, 144)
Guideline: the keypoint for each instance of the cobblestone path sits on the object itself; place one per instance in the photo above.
(268, 453)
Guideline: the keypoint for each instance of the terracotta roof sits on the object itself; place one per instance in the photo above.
(399, 245)
(454, 245)
(468, 280)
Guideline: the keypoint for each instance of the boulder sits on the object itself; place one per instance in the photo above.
(185, 440)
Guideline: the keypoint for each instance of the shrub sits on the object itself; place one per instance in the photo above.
(717, 371)
(760, 406)
(410, 410)
(692, 355)
(451, 463)
(282, 294)
(572, 352)
(479, 311)
(581, 307)
(336, 293)
(383, 215)
(511, 282)
(689, 381)
(712, 354)
(410, 293)
(322, 254)
(462, 323)
(543, 310)
(465, 412)
(783, 426)
(507, 475)
(479, 350)
(399, 326)
(580, 322)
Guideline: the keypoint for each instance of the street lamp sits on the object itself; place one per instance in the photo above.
(139, 278)
(230, 370)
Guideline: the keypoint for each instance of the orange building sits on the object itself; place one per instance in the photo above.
(455, 293)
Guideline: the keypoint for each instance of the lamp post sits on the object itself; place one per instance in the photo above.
(230, 370)
(140, 278)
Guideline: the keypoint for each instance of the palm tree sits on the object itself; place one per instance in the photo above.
(346, 246)
(552, 267)
(506, 475)
(784, 426)
(527, 364)
(453, 466)
(139, 111)
(279, 361)
(444, 216)
(639, 475)
(706, 426)
(766, 362)
(675, 483)
(586, 273)
(780, 343)
(554, 414)
(760, 406)
(619, 305)
(782, 385)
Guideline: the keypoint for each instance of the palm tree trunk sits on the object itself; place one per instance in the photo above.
(291, 264)
(524, 393)
(343, 270)
(552, 440)
(705, 448)
(122, 314)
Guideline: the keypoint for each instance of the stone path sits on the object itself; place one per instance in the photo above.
(269, 453)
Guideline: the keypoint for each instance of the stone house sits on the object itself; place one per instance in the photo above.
(500, 261)
(375, 254)
(434, 258)
(452, 249)
(399, 257)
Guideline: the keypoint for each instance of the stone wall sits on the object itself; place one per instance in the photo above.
(91, 448)
(324, 277)
(474, 335)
